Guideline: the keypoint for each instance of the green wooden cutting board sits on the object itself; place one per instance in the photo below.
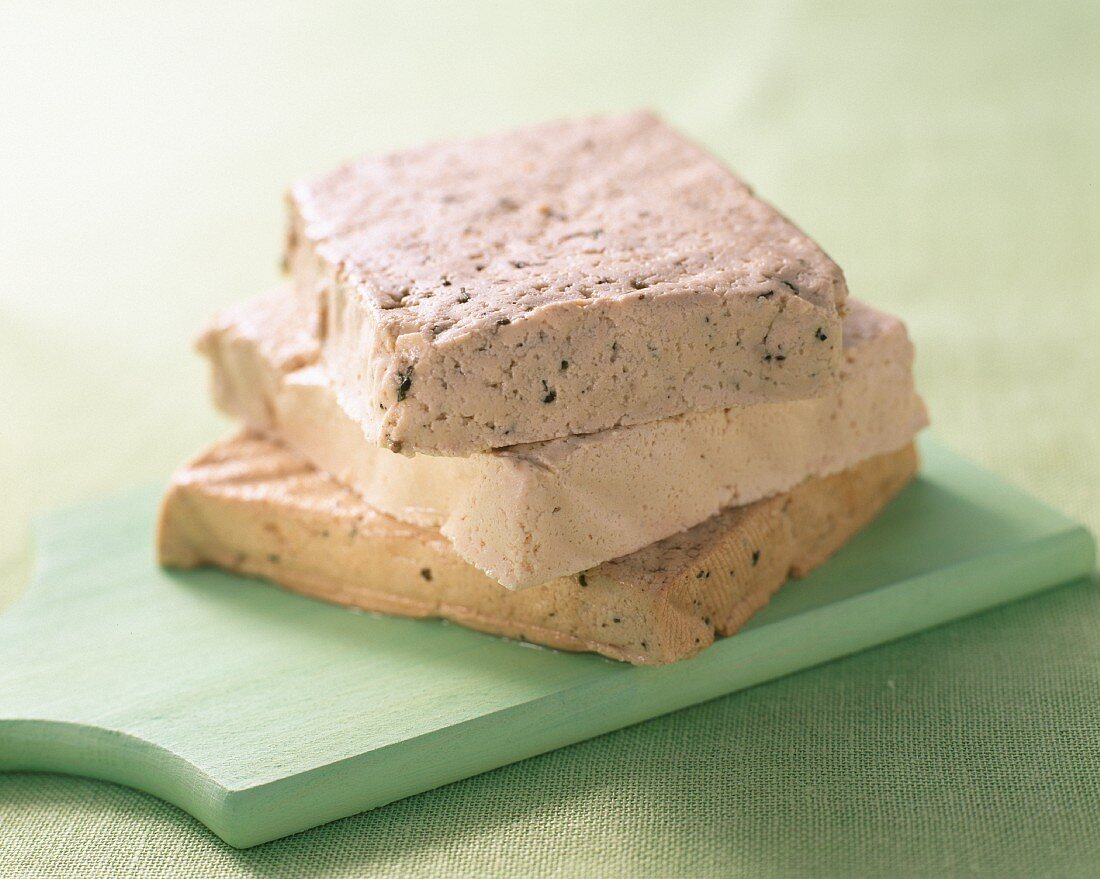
(262, 713)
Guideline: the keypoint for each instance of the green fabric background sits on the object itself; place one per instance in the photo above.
(948, 156)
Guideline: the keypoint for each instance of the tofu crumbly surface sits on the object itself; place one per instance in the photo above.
(561, 279)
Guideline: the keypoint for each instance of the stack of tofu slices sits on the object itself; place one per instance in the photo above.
(574, 385)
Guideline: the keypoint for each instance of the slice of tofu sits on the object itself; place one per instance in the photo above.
(562, 279)
(253, 507)
(530, 513)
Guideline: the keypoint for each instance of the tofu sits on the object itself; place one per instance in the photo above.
(530, 513)
(253, 507)
(558, 280)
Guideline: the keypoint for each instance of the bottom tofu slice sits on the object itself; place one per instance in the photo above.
(253, 507)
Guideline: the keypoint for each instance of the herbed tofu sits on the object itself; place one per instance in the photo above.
(530, 513)
(251, 506)
(561, 279)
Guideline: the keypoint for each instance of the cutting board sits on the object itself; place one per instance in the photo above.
(262, 713)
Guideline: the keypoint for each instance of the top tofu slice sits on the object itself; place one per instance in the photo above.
(557, 280)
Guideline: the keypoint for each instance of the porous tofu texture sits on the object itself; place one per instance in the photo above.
(253, 507)
(530, 513)
(557, 280)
